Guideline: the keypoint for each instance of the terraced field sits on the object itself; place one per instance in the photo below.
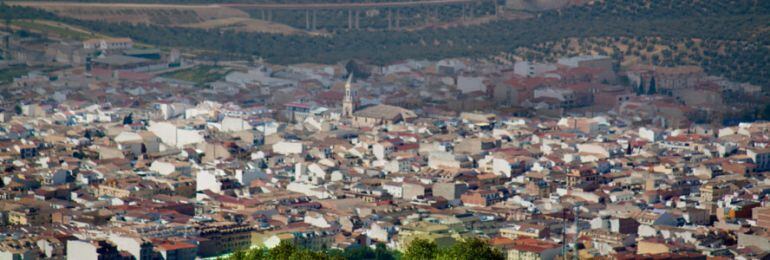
(244, 25)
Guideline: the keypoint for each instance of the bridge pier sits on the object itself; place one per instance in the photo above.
(497, 7)
(315, 20)
(358, 20)
(433, 14)
(431, 10)
(398, 19)
(471, 7)
(350, 19)
(390, 19)
(267, 15)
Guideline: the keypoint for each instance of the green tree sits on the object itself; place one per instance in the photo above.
(256, 253)
(283, 251)
(358, 69)
(380, 252)
(471, 249)
(250, 254)
(421, 249)
(305, 254)
(765, 113)
(652, 90)
(129, 119)
(640, 88)
(238, 255)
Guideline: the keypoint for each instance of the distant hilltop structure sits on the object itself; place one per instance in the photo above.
(108, 44)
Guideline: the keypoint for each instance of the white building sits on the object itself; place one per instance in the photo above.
(438, 160)
(761, 157)
(471, 84)
(245, 177)
(394, 189)
(600, 150)
(234, 124)
(108, 44)
(287, 147)
(380, 231)
(90, 250)
(621, 196)
(382, 150)
(173, 136)
(163, 168)
(557, 93)
(651, 135)
(585, 61)
(530, 69)
(309, 190)
(138, 247)
(318, 220)
(208, 180)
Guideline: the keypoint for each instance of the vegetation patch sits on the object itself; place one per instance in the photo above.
(7, 74)
(200, 75)
(50, 28)
(418, 249)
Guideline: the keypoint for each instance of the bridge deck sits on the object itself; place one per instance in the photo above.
(264, 6)
(351, 5)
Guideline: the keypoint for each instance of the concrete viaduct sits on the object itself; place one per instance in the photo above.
(354, 10)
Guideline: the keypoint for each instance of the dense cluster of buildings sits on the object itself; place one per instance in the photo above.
(109, 159)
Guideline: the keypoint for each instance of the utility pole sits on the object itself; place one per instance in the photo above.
(7, 38)
(564, 233)
(575, 210)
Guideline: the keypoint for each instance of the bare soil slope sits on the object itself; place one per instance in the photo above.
(195, 16)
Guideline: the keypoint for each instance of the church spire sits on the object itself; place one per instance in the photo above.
(348, 105)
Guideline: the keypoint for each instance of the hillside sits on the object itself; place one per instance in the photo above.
(718, 57)
(52, 29)
(732, 32)
(215, 1)
(166, 14)
(244, 25)
(191, 16)
(540, 5)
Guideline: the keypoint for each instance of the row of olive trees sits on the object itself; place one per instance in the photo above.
(670, 20)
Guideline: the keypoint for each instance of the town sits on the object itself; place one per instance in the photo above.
(110, 149)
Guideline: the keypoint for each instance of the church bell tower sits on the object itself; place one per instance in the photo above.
(348, 104)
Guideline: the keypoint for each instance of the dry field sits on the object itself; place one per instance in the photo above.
(195, 16)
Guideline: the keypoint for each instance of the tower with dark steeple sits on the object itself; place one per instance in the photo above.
(348, 102)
